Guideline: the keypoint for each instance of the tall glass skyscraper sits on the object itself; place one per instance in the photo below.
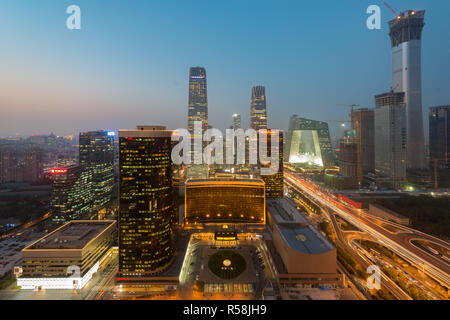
(258, 113)
(406, 35)
(198, 98)
(97, 154)
(147, 203)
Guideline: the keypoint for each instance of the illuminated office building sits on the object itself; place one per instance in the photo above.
(96, 153)
(147, 202)
(274, 182)
(197, 111)
(390, 138)
(198, 98)
(224, 200)
(309, 143)
(72, 193)
(406, 41)
(68, 257)
(258, 108)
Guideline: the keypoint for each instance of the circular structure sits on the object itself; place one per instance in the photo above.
(227, 264)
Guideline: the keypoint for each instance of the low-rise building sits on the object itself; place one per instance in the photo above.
(68, 257)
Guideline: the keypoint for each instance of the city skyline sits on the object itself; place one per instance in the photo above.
(115, 97)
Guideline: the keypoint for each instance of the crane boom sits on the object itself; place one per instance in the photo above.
(389, 7)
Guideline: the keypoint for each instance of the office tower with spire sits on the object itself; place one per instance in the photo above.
(406, 34)
(258, 111)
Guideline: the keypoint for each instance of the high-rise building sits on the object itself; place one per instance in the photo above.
(439, 126)
(362, 122)
(406, 35)
(33, 165)
(72, 194)
(197, 112)
(96, 153)
(390, 138)
(274, 182)
(147, 202)
(258, 112)
(198, 98)
(309, 143)
(8, 165)
(236, 121)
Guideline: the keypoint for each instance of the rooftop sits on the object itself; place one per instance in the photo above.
(304, 239)
(73, 235)
(284, 211)
(224, 180)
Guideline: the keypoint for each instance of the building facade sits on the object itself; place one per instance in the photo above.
(309, 143)
(198, 98)
(274, 182)
(224, 200)
(236, 123)
(258, 108)
(147, 202)
(363, 121)
(406, 41)
(72, 193)
(390, 138)
(96, 153)
(68, 257)
(439, 126)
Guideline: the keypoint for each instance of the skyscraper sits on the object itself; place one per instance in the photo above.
(390, 138)
(147, 202)
(198, 98)
(72, 194)
(406, 35)
(274, 183)
(258, 112)
(33, 165)
(362, 122)
(236, 124)
(96, 153)
(439, 120)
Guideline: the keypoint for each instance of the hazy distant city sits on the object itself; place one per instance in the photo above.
(281, 199)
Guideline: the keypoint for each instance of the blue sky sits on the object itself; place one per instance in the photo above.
(129, 63)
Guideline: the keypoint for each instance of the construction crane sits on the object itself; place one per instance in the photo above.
(348, 105)
(342, 122)
(390, 8)
(435, 161)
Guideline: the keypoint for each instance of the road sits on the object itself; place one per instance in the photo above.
(26, 225)
(435, 267)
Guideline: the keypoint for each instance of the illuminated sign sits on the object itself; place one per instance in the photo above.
(53, 171)
(111, 133)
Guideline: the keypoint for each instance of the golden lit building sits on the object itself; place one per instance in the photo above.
(225, 200)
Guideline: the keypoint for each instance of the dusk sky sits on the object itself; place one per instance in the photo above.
(129, 64)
